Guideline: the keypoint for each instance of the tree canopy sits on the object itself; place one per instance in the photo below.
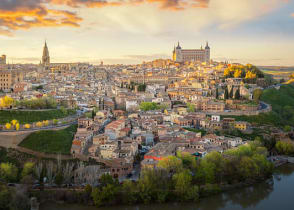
(243, 71)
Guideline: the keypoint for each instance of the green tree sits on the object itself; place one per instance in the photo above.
(5, 197)
(28, 169)
(171, 164)
(105, 195)
(248, 168)
(146, 106)
(226, 95)
(285, 148)
(256, 95)
(215, 164)
(191, 107)
(8, 172)
(188, 160)
(207, 169)
(183, 186)
(237, 94)
(287, 128)
(88, 189)
(153, 184)
(129, 192)
(59, 179)
(106, 179)
(231, 94)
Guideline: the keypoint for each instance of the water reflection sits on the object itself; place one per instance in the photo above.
(286, 170)
(251, 196)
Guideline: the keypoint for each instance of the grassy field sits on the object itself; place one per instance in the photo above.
(278, 72)
(282, 102)
(32, 116)
(50, 141)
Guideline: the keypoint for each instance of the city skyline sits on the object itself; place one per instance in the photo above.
(116, 31)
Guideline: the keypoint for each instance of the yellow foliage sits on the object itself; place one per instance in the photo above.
(27, 126)
(227, 72)
(250, 75)
(39, 124)
(14, 122)
(17, 126)
(8, 126)
(6, 101)
(238, 73)
(45, 122)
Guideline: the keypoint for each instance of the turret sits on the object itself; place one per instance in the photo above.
(178, 47)
(207, 47)
(207, 53)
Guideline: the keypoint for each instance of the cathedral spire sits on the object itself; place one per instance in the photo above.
(45, 57)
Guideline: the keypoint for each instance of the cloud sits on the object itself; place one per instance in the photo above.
(162, 4)
(87, 3)
(176, 4)
(191, 15)
(19, 14)
(292, 14)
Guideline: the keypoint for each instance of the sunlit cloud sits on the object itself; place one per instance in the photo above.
(19, 14)
(162, 4)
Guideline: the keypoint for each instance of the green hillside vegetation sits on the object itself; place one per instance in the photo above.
(282, 102)
(33, 116)
(51, 141)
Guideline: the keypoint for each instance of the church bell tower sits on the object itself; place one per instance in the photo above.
(45, 57)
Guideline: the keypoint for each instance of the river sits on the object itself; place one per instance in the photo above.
(271, 195)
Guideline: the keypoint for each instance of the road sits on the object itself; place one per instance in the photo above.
(72, 122)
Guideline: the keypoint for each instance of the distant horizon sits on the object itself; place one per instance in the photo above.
(98, 61)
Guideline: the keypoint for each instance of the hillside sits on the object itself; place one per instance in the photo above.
(282, 102)
(51, 141)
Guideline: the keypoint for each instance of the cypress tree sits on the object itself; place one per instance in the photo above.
(226, 93)
(237, 94)
(231, 95)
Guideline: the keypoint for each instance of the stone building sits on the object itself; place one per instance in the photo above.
(183, 55)
(3, 59)
(10, 77)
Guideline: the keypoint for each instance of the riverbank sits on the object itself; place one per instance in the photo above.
(271, 194)
(207, 192)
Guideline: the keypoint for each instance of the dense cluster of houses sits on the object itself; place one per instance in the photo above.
(190, 95)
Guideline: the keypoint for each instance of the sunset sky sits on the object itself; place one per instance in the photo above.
(131, 31)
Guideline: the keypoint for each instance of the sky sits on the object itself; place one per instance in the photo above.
(260, 32)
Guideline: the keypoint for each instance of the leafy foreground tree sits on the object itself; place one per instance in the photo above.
(104, 196)
(184, 188)
(8, 172)
(285, 148)
(185, 178)
(5, 197)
